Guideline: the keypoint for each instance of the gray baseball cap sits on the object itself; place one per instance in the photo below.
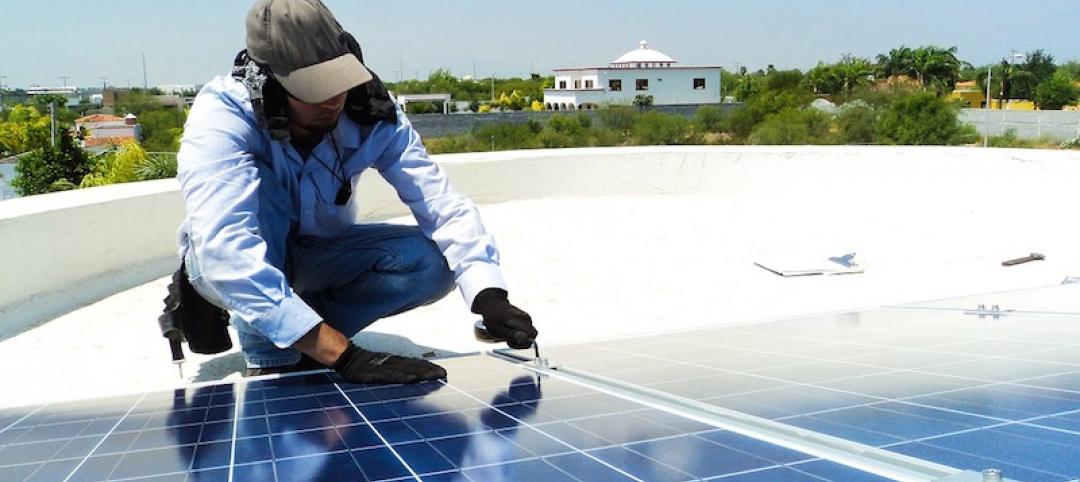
(303, 44)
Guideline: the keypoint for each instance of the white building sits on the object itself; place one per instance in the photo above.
(642, 71)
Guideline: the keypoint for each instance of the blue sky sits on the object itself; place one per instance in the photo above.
(189, 42)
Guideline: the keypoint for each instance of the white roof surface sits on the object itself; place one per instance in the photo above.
(643, 54)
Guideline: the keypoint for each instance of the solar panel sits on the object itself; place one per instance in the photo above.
(491, 421)
(957, 389)
(1059, 299)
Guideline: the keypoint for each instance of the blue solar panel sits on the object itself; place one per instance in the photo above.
(956, 389)
(492, 421)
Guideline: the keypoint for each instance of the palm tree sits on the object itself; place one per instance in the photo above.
(853, 72)
(897, 62)
(937, 66)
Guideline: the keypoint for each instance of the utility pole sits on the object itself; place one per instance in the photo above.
(63, 81)
(145, 79)
(104, 83)
(52, 124)
(2, 79)
(493, 88)
(989, 74)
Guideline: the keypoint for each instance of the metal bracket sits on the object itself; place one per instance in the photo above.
(988, 475)
(994, 312)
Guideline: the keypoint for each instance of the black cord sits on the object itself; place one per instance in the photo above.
(345, 191)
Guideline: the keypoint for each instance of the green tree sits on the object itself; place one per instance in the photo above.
(1071, 69)
(51, 168)
(823, 79)
(25, 129)
(1038, 67)
(853, 72)
(135, 101)
(922, 119)
(898, 61)
(161, 129)
(1056, 92)
(784, 80)
(936, 67)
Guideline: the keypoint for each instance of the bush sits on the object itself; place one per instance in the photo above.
(760, 106)
(1009, 139)
(857, 124)
(618, 117)
(51, 168)
(711, 119)
(922, 119)
(572, 125)
(116, 167)
(507, 136)
(793, 126)
(157, 166)
(656, 128)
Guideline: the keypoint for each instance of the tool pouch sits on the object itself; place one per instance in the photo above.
(190, 317)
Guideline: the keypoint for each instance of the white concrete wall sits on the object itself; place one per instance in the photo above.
(60, 250)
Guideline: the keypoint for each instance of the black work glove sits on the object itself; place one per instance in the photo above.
(357, 365)
(503, 320)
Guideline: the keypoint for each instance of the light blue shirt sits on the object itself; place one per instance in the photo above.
(219, 179)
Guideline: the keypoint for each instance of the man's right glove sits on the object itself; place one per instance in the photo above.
(503, 320)
(357, 365)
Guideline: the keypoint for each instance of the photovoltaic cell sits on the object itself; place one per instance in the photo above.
(952, 388)
(491, 421)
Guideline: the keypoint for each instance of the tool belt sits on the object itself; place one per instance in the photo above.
(190, 317)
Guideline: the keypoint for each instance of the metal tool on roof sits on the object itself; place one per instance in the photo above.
(1026, 259)
(483, 335)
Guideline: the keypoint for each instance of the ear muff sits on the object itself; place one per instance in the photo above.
(368, 103)
(268, 97)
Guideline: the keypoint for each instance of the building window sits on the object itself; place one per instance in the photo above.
(699, 84)
(577, 84)
(588, 84)
(562, 84)
(642, 84)
(615, 85)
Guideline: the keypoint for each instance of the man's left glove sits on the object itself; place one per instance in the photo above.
(503, 320)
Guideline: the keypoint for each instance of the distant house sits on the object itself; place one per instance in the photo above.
(642, 71)
(104, 131)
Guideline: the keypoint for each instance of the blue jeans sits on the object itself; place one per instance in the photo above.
(368, 272)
